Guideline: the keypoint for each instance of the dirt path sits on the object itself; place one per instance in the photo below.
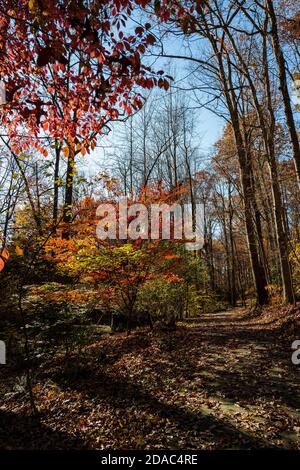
(224, 381)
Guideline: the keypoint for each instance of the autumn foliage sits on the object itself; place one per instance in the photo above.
(69, 68)
(126, 270)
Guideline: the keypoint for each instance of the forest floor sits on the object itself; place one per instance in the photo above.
(224, 381)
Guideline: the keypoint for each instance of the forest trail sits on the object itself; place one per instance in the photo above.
(247, 372)
(223, 381)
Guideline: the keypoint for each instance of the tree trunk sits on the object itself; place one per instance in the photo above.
(286, 275)
(258, 271)
(68, 205)
(56, 187)
(268, 133)
(231, 240)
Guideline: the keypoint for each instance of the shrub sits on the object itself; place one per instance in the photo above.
(162, 300)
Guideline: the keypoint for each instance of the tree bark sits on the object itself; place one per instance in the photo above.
(56, 187)
(68, 205)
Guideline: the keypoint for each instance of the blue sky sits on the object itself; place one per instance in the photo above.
(209, 126)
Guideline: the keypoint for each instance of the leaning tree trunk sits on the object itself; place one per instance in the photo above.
(285, 268)
(279, 211)
(258, 270)
(224, 65)
(268, 133)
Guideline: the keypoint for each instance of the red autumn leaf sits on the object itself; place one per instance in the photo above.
(150, 39)
(45, 56)
(139, 31)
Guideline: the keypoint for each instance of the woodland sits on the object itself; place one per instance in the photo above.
(135, 343)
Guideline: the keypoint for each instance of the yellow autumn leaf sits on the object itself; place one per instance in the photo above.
(66, 151)
(32, 4)
(19, 251)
